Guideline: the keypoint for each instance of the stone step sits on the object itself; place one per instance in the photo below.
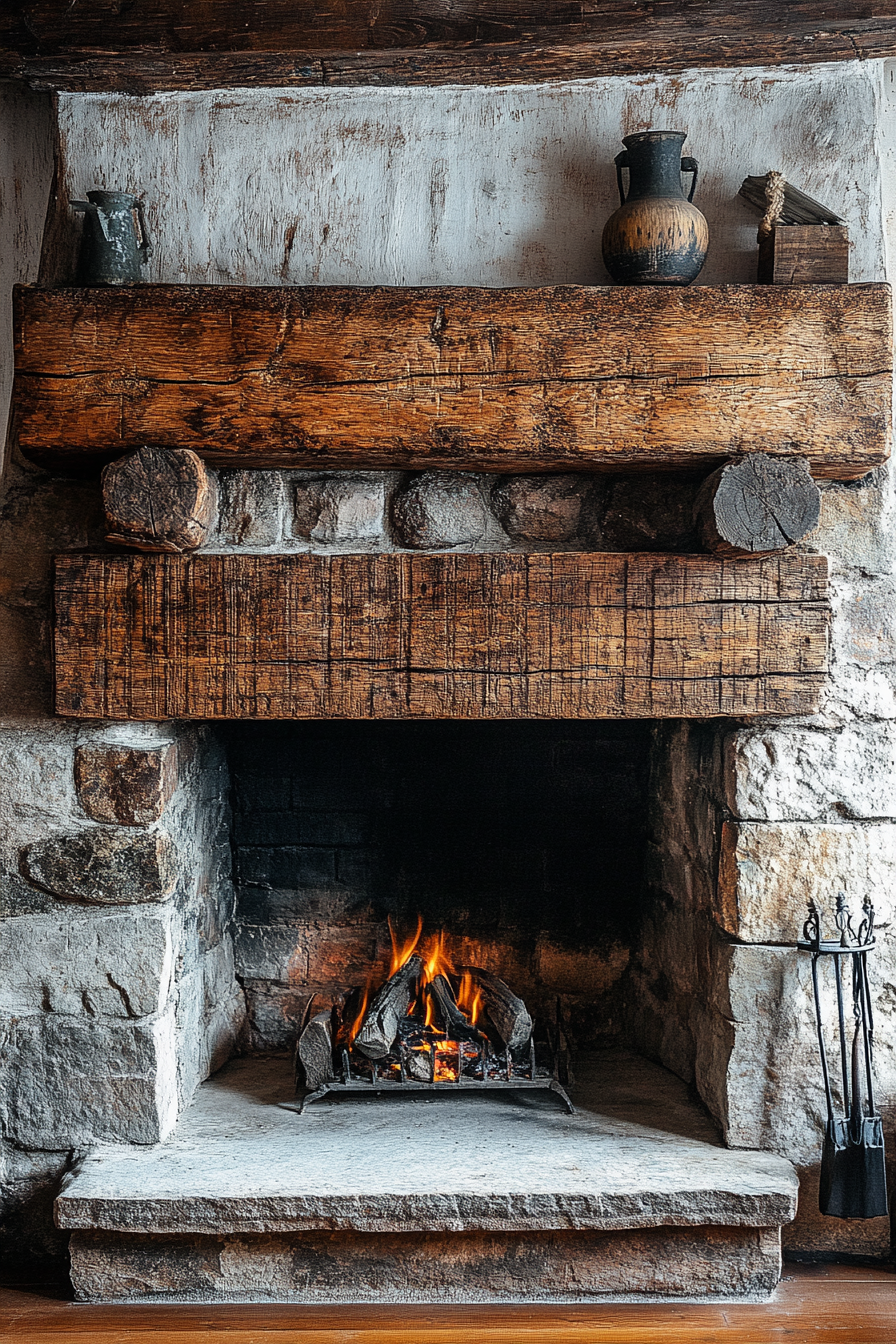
(460, 1198)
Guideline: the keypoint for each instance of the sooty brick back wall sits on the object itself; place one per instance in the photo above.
(524, 841)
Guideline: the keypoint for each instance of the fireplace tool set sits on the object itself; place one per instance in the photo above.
(430, 1029)
(853, 1173)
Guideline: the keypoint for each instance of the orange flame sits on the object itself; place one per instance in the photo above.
(469, 998)
(402, 953)
(359, 1017)
(437, 960)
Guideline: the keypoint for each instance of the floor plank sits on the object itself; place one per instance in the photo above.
(836, 1304)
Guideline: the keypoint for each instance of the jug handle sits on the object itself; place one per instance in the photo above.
(690, 166)
(621, 161)
(143, 243)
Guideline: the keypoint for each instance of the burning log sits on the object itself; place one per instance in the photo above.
(455, 1023)
(314, 1053)
(380, 1025)
(508, 1013)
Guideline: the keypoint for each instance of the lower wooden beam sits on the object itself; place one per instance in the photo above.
(438, 636)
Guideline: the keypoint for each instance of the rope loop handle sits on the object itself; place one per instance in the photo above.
(774, 197)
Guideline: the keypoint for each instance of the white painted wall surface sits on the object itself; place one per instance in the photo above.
(465, 185)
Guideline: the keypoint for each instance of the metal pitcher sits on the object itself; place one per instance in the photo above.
(115, 245)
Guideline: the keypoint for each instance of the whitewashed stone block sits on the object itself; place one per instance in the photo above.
(863, 631)
(106, 965)
(340, 510)
(857, 527)
(802, 774)
(69, 1082)
(37, 785)
(767, 873)
(251, 508)
(765, 1065)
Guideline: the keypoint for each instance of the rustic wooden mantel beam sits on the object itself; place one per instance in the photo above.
(438, 636)
(569, 378)
(151, 45)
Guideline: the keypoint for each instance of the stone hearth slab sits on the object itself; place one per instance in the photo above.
(432, 1198)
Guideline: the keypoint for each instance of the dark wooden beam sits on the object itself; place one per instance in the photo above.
(518, 380)
(438, 636)
(151, 45)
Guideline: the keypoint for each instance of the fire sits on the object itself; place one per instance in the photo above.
(469, 998)
(437, 960)
(359, 1016)
(402, 953)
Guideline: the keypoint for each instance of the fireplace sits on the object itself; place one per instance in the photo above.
(521, 845)
(624, 830)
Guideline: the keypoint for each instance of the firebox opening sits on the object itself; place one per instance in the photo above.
(522, 842)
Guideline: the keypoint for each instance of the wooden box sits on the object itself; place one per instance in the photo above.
(805, 254)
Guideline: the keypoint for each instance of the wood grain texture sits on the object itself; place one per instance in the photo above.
(554, 379)
(164, 44)
(757, 505)
(805, 254)
(159, 499)
(396, 636)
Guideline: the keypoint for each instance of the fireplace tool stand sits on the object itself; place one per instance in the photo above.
(853, 1174)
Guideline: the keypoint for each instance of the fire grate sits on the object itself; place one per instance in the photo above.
(497, 1072)
(431, 1027)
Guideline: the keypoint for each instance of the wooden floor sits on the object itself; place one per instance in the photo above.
(818, 1303)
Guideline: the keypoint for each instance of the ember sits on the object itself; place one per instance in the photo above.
(430, 1024)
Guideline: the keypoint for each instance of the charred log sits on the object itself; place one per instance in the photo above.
(508, 1012)
(380, 1026)
(455, 1023)
(314, 1054)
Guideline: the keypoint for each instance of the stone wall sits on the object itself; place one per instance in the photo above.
(751, 821)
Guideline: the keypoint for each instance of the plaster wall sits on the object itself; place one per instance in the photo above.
(470, 186)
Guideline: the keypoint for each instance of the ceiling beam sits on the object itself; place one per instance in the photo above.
(157, 45)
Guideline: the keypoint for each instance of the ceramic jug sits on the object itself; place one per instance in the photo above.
(656, 237)
(115, 246)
